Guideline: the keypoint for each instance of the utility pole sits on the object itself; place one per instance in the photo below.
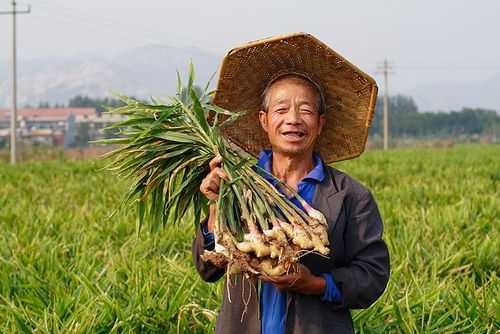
(13, 112)
(385, 67)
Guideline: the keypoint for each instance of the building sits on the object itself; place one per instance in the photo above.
(56, 126)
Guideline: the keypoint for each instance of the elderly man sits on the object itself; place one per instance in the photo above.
(316, 298)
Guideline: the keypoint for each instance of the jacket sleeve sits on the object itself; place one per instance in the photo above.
(207, 271)
(364, 277)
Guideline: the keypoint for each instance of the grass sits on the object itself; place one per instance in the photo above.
(66, 266)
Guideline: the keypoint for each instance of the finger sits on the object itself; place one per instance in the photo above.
(215, 162)
(282, 283)
(267, 278)
(276, 279)
(221, 173)
(292, 283)
(204, 185)
(210, 195)
(288, 286)
(207, 189)
(213, 178)
(286, 279)
(212, 185)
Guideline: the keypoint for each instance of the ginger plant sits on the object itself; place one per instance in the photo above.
(166, 149)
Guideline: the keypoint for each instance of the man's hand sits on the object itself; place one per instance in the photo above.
(303, 281)
(210, 186)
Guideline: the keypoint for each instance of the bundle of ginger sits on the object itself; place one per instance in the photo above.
(166, 149)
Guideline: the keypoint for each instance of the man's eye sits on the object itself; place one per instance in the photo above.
(281, 110)
(306, 111)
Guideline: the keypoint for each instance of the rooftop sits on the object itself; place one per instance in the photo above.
(52, 113)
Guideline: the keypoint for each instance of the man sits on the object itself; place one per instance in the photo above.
(316, 298)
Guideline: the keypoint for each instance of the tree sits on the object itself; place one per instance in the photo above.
(43, 104)
(406, 121)
(83, 134)
(100, 104)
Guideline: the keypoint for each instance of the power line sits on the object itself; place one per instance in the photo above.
(13, 112)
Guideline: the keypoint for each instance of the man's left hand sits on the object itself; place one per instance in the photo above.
(302, 281)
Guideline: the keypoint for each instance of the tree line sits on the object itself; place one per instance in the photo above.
(82, 101)
(405, 120)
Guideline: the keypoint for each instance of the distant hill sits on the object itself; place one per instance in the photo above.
(151, 71)
(142, 72)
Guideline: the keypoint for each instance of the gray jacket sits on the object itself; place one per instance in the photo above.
(359, 262)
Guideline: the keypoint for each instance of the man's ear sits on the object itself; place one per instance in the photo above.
(263, 120)
(322, 121)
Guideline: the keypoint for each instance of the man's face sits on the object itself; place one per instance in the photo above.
(292, 120)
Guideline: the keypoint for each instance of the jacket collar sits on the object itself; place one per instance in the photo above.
(330, 185)
(328, 197)
(316, 175)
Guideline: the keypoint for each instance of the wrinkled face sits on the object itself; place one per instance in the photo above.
(292, 120)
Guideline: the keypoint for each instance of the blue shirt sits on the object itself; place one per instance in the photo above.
(272, 301)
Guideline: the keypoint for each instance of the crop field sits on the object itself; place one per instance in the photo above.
(68, 266)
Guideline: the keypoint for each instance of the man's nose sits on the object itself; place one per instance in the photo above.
(293, 116)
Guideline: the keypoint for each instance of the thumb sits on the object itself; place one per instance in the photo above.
(215, 162)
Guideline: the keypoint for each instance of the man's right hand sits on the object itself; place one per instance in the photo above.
(210, 186)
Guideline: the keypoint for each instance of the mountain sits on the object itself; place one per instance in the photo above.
(151, 71)
(141, 72)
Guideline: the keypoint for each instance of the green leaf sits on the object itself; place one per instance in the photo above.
(206, 94)
(141, 210)
(186, 189)
(179, 84)
(112, 141)
(178, 137)
(198, 111)
(130, 122)
(190, 77)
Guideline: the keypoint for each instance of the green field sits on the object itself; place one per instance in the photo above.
(66, 266)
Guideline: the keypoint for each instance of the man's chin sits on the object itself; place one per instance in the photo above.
(291, 150)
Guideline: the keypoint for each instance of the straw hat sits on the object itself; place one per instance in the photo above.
(349, 94)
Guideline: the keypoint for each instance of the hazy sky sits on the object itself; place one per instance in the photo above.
(439, 40)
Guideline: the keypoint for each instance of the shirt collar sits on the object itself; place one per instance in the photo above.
(317, 174)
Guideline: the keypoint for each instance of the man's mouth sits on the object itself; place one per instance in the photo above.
(293, 134)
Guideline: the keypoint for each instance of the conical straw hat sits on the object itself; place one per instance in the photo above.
(349, 93)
